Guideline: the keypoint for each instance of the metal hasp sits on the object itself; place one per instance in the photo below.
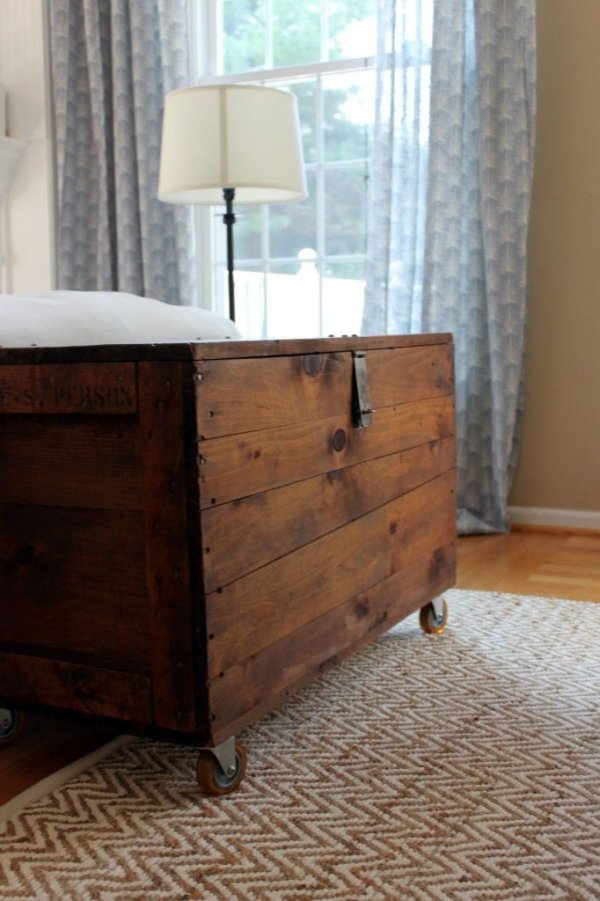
(362, 410)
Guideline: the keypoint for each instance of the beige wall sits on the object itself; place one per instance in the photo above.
(23, 75)
(560, 459)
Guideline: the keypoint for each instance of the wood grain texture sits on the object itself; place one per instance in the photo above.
(535, 562)
(240, 537)
(238, 697)
(211, 350)
(71, 461)
(166, 542)
(503, 563)
(261, 608)
(241, 465)
(100, 388)
(273, 392)
(57, 683)
(309, 520)
(72, 581)
(405, 375)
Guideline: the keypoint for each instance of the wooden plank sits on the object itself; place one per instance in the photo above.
(241, 465)
(72, 582)
(211, 350)
(245, 395)
(240, 537)
(56, 683)
(402, 375)
(166, 541)
(224, 350)
(98, 388)
(261, 681)
(71, 461)
(277, 599)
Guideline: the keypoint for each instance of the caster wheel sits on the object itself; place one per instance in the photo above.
(430, 623)
(11, 724)
(211, 778)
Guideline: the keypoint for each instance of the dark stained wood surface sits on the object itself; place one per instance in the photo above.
(241, 465)
(211, 350)
(271, 392)
(99, 388)
(71, 461)
(239, 695)
(87, 689)
(277, 599)
(162, 567)
(405, 375)
(275, 347)
(72, 581)
(240, 536)
(166, 542)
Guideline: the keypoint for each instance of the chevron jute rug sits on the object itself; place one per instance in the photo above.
(465, 766)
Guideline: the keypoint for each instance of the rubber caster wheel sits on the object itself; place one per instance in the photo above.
(211, 778)
(11, 724)
(430, 622)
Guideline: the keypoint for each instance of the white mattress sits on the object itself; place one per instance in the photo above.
(72, 318)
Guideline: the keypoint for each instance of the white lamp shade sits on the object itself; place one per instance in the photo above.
(231, 136)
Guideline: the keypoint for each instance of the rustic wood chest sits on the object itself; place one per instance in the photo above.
(188, 532)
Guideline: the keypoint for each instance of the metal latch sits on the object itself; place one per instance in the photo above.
(362, 411)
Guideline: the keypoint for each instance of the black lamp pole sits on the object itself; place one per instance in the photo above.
(229, 220)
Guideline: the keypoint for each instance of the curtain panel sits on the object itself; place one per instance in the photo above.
(112, 62)
(449, 215)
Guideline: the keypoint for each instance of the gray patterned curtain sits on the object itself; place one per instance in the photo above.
(458, 217)
(112, 62)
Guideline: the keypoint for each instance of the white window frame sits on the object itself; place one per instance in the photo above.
(205, 53)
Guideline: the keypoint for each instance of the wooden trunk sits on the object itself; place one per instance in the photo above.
(189, 532)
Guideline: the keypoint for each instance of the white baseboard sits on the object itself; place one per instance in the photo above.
(548, 516)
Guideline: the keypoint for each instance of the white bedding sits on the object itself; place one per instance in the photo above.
(72, 318)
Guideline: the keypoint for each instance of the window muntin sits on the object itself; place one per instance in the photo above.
(299, 267)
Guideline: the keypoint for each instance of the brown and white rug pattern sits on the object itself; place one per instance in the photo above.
(460, 767)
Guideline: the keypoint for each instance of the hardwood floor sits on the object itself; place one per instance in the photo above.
(549, 564)
(553, 564)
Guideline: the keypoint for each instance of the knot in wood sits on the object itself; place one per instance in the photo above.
(313, 364)
(339, 440)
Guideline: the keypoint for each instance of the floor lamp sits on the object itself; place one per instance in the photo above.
(226, 143)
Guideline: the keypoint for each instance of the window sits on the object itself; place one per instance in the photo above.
(299, 267)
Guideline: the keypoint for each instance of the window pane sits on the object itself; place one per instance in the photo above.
(306, 94)
(351, 28)
(243, 35)
(343, 298)
(296, 32)
(247, 232)
(348, 114)
(293, 226)
(345, 211)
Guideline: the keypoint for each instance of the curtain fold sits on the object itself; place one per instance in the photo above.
(112, 62)
(472, 247)
(394, 283)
